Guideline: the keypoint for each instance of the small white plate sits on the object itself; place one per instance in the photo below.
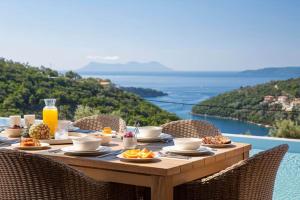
(161, 137)
(201, 150)
(141, 160)
(101, 150)
(218, 145)
(43, 146)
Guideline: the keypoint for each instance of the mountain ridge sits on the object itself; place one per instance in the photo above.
(289, 71)
(132, 66)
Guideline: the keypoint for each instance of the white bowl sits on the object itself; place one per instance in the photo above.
(86, 143)
(13, 132)
(187, 143)
(150, 131)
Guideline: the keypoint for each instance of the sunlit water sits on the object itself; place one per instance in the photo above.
(288, 177)
(191, 88)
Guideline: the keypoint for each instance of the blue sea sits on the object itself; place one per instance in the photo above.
(191, 88)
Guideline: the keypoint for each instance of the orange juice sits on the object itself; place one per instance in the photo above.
(50, 116)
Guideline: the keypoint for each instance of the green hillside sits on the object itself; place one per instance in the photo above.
(23, 88)
(233, 104)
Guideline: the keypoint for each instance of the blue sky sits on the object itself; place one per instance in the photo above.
(211, 35)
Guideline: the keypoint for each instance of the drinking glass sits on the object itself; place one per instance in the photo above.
(50, 115)
(62, 129)
(29, 120)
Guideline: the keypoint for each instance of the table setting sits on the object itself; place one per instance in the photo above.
(37, 136)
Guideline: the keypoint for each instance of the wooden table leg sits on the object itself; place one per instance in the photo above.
(246, 155)
(162, 188)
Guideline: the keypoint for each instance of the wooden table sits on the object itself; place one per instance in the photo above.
(160, 176)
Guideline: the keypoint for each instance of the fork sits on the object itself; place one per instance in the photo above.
(54, 151)
(172, 155)
(110, 153)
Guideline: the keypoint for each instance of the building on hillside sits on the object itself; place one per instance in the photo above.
(104, 82)
(268, 99)
(295, 102)
(283, 99)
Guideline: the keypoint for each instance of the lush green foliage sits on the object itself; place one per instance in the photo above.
(23, 88)
(144, 92)
(286, 128)
(245, 103)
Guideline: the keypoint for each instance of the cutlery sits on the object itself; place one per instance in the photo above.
(171, 155)
(54, 150)
(110, 153)
(136, 129)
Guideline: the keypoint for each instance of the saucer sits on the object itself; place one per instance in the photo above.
(199, 151)
(218, 145)
(161, 137)
(71, 151)
(43, 146)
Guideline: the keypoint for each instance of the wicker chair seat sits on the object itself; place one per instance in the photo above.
(98, 122)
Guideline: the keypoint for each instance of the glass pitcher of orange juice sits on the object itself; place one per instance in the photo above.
(50, 115)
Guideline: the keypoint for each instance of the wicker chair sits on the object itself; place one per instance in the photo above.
(253, 178)
(190, 128)
(28, 176)
(97, 122)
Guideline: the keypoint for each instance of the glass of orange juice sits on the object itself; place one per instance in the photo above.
(50, 115)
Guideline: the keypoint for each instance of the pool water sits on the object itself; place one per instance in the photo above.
(287, 184)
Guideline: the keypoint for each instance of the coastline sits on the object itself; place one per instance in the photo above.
(232, 118)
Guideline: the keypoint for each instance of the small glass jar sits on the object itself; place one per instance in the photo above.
(129, 140)
(29, 120)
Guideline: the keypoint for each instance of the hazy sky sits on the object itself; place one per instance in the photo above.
(182, 34)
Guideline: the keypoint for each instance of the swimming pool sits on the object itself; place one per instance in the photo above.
(288, 178)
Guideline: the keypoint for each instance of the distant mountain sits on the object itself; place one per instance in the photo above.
(290, 72)
(126, 67)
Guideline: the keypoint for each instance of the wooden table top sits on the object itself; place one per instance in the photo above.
(164, 167)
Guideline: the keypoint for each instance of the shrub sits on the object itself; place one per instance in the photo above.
(286, 128)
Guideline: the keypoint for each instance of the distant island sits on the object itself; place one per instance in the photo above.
(144, 92)
(95, 67)
(290, 72)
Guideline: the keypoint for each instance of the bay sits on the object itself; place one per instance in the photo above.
(191, 88)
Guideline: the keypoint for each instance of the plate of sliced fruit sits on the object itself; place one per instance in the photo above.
(218, 141)
(137, 155)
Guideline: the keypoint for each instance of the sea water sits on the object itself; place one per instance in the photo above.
(192, 88)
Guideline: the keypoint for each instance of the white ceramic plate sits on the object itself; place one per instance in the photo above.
(218, 145)
(101, 150)
(43, 146)
(201, 150)
(142, 160)
(161, 137)
(60, 141)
